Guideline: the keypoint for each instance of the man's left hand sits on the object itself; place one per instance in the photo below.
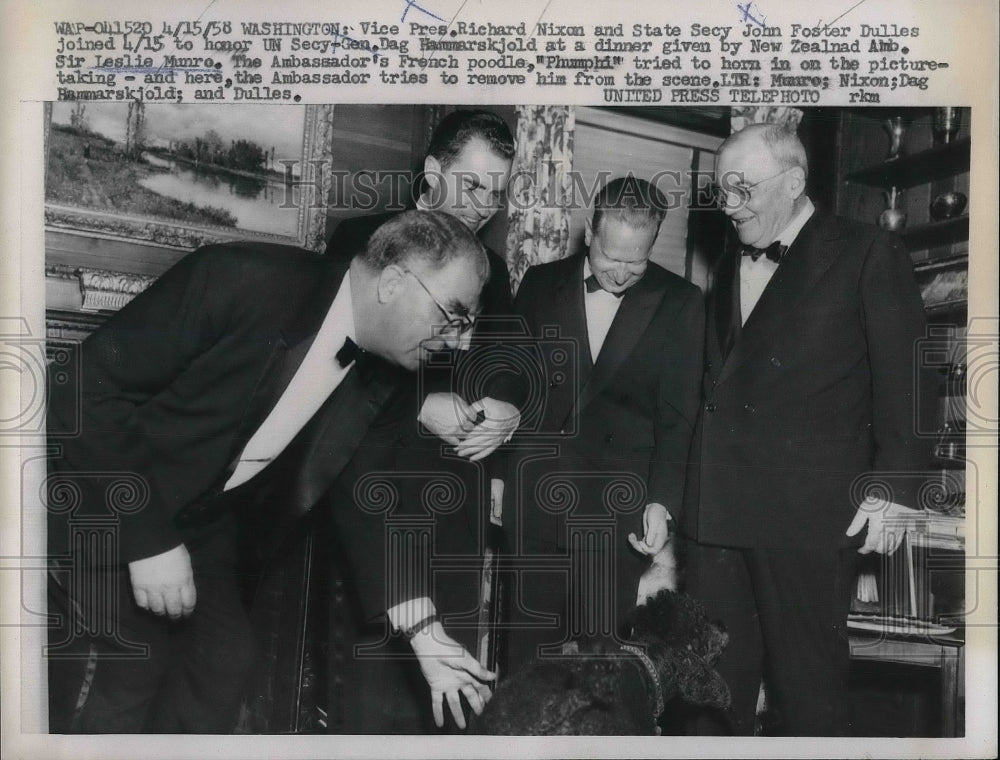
(886, 521)
(450, 671)
(447, 416)
(498, 425)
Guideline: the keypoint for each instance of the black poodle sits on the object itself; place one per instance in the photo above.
(606, 688)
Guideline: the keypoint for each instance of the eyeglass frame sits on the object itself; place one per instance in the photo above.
(462, 324)
(745, 192)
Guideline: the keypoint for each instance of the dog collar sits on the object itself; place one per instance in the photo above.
(651, 669)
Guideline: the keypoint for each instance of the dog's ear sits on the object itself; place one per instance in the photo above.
(715, 639)
(699, 684)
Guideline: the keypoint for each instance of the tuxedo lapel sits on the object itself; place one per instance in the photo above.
(727, 303)
(290, 486)
(291, 347)
(331, 437)
(280, 494)
(570, 314)
(810, 255)
(636, 311)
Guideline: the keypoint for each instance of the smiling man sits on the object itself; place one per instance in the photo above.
(616, 427)
(810, 390)
(467, 167)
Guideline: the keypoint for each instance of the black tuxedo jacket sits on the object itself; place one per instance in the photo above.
(173, 386)
(819, 388)
(613, 434)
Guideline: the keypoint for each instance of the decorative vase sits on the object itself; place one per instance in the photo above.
(896, 126)
(946, 124)
(947, 205)
(893, 218)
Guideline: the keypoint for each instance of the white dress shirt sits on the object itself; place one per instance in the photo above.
(600, 307)
(316, 378)
(754, 275)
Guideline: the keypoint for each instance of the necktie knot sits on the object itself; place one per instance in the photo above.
(348, 353)
(366, 363)
(773, 252)
(593, 286)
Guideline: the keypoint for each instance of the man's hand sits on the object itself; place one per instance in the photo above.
(447, 416)
(886, 522)
(164, 584)
(450, 669)
(656, 530)
(500, 420)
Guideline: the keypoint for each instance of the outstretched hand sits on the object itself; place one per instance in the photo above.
(164, 584)
(450, 670)
(886, 521)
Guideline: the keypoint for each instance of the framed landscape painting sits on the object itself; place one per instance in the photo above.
(185, 175)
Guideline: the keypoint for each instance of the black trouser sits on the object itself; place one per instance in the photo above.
(589, 596)
(785, 611)
(192, 675)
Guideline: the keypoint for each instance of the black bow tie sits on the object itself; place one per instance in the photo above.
(366, 363)
(349, 352)
(593, 286)
(774, 252)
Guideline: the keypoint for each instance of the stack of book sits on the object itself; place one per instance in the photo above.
(919, 589)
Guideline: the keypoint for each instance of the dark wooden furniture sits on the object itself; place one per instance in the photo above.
(921, 589)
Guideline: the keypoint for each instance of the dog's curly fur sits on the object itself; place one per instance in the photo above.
(602, 690)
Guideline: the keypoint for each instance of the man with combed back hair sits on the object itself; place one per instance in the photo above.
(592, 494)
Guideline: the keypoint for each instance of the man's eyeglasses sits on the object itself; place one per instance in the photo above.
(459, 323)
(743, 192)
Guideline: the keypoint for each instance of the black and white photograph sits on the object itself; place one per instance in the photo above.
(441, 426)
(747, 472)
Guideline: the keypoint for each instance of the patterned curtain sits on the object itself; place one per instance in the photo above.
(540, 188)
(741, 116)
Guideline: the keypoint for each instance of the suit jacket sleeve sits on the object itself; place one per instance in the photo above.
(682, 363)
(134, 357)
(527, 295)
(497, 297)
(524, 308)
(895, 322)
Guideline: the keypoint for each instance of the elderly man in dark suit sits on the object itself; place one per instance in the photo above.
(243, 380)
(809, 392)
(620, 339)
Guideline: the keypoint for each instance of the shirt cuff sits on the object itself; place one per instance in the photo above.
(407, 614)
